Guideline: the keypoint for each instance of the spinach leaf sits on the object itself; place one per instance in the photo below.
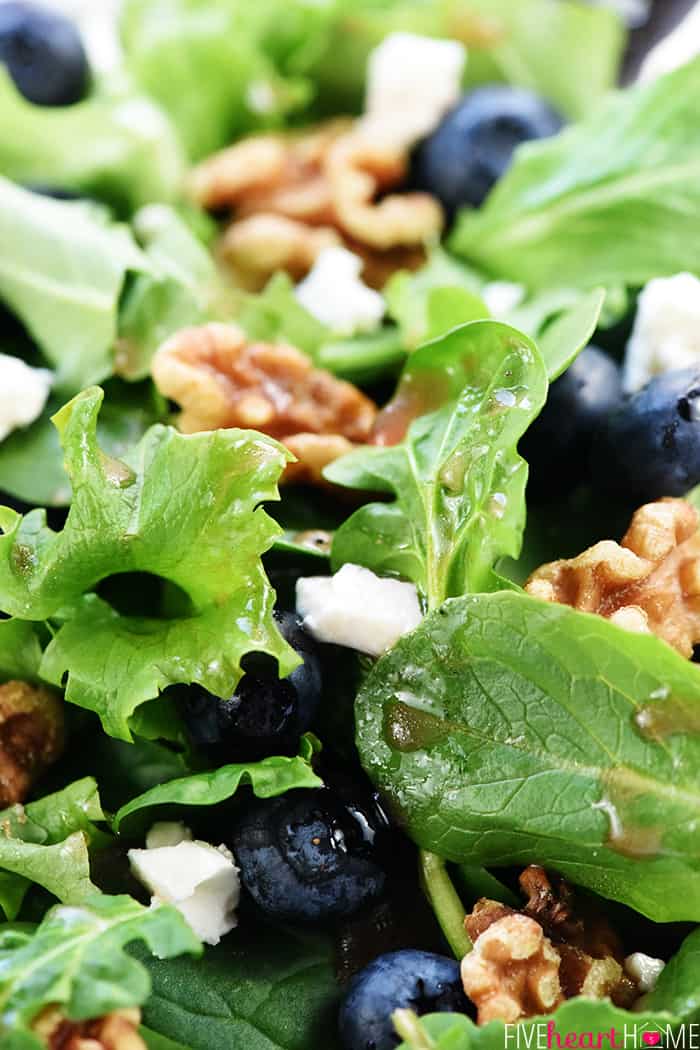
(261, 989)
(606, 202)
(457, 479)
(128, 516)
(76, 959)
(565, 741)
(62, 270)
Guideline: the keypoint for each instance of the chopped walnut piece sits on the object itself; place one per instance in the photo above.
(222, 380)
(261, 244)
(31, 737)
(650, 582)
(512, 971)
(116, 1031)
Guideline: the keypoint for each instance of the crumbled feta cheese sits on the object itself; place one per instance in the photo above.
(679, 47)
(502, 296)
(334, 293)
(644, 969)
(23, 393)
(200, 880)
(412, 81)
(358, 609)
(666, 333)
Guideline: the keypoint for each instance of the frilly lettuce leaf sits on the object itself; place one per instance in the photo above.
(605, 202)
(62, 270)
(457, 480)
(117, 146)
(76, 959)
(183, 508)
(20, 651)
(47, 842)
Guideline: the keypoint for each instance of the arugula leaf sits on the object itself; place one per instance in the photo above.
(606, 202)
(20, 651)
(128, 516)
(182, 288)
(31, 460)
(76, 959)
(263, 989)
(61, 272)
(566, 742)
(457, 479)
(116, 146)
(47, 842)
(269, 777)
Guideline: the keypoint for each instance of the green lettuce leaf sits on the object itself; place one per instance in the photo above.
(268, 777)
(263, 989)
(457, 478)
(76, 959)
(47, 842)
(183, 508)
(20, 651)
(116, 146)
(62, 271)
(606, 202)
(566, 742)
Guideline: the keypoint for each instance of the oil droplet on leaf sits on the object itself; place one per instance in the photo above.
(117, 473)
(410, 729)
(667, 717)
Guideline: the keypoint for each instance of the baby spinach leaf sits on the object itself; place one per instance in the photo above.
(62, 270)
(606, 202)
(76, 959)
(563, 741)
(261, 989)
(268, 777)
(457, 479)
(130, 515)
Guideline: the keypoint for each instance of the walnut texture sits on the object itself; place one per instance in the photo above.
(115, 1031)
(648, 583)
(31, 737)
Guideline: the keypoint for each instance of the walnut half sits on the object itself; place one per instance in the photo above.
(116, 1031)
(650, 582)
(31, 737)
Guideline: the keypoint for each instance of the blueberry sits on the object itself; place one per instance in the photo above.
(471, 149)
(44, 54)
(266, 714)
(557, 446)
(420, 981)
(308, 856)
(650, 447)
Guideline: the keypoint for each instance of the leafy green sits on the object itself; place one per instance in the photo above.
(20, 651)
(76, 959)
(117, 146)
(31, 460)
(268, 777)
(182, 288)
(62, 271)
(566, 742)
(47, 842)
(263, 989)
(457, 479)
(606, 202)
(129, 516)
(276, 315)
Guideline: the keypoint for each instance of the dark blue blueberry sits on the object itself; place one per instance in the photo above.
(44, 54)
(461, 161)
(650, 447)
(409, 979)
(266, 714)
(308, 856)
(557, 446)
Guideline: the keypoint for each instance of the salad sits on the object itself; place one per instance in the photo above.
(349, 527)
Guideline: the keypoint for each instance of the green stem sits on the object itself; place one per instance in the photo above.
(409, 1027)
(445, 902)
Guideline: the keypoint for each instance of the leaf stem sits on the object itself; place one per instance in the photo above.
(409, 1027)
(445, 902)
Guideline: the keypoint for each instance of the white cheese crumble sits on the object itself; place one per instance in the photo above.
(23, 393)
(199, 879)
(679, 47)
(502, 296)
(666, 333)
(335, 294)
(412, 81)
(644, 969)
(358, 609)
